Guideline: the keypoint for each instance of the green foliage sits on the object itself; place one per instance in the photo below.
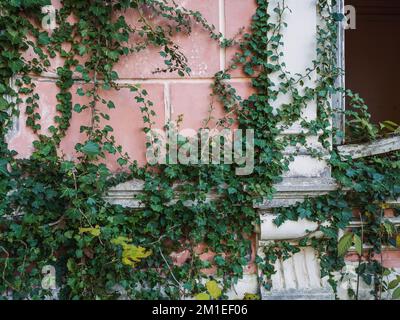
(213, 291)
(28, 4)
(131, 254)
(345, 243)
(52, 211)
(251, 296)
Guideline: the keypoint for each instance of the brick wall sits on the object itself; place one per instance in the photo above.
(172, 95)
(190, 96)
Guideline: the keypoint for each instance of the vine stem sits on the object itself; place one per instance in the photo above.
(381, 258)
(5, 267)
(170, 270)
(360, 256)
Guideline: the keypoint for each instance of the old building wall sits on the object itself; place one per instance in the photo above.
(189, 96)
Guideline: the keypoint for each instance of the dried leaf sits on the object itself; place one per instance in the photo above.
(88, 252)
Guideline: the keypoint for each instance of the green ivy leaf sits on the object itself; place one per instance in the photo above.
(122, 161)
(345, 243)
(393, 284)
(3, 104)
(358, 244)
(44, 39)
(111, 105)
(80, 92)
(396, 293)
(15, 3)
(3, 88)
(91, 149)
(3, 167)
(78, 108)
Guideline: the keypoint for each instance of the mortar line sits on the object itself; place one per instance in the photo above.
(47, 78)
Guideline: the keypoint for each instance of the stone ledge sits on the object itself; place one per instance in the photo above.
(381, 146)
(289, 192)
(299, 294)
(125, 194)
(293, 190)
(289, 230)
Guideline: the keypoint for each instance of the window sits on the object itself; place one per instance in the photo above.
(372, 56)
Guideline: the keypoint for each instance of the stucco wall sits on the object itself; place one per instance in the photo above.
(190, 96)
(171, 94)
(174, 96)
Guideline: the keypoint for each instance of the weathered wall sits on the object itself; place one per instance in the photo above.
(190, 96)
(171, 94)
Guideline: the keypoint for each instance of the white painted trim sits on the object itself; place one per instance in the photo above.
(339, 101)
(381, 146)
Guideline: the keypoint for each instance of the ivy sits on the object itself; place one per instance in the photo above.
(53, 211)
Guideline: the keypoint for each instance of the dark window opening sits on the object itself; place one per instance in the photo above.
(372, 57)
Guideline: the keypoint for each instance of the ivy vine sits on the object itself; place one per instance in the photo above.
(53, 212)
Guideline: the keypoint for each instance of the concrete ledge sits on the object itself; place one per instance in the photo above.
(293, 190)
(289, 230)
(125, 194)
(300, 294)
(363, 150)
(289, 192)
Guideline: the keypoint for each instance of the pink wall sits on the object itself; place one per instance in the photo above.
(171, 94)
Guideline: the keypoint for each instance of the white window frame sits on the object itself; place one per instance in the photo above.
(339, 103)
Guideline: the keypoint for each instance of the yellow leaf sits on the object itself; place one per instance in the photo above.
(95, 232)
(398, 241)
(202, 296)
(121, 241)
(131, 254)
(385, 206)
(213, 289)
(251, 296)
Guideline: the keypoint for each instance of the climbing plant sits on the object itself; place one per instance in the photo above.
(53, 212)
